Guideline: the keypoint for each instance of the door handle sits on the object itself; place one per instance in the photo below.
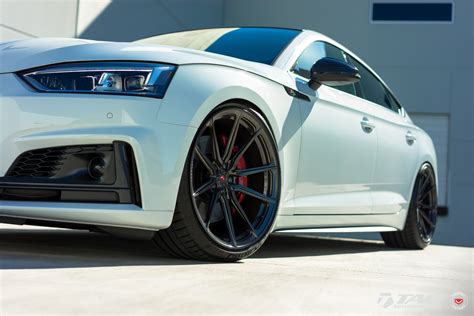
(410, 138)
(367, 125)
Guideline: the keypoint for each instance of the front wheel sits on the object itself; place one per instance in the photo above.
(422, 214)
(229, 190)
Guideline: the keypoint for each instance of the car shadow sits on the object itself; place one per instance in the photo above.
(60, 248)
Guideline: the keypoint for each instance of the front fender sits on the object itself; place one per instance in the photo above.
(196, 90)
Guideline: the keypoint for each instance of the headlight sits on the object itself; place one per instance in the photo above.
(127, 78)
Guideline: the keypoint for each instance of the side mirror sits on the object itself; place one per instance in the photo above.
(332, 72)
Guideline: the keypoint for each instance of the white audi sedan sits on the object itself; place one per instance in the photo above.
(206, 141)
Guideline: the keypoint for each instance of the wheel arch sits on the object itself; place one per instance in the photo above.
(427, 154)
(254, 107)
(188, 102)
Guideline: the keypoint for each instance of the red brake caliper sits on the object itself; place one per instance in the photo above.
(240, 165)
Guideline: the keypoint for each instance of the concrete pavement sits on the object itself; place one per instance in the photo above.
(65, 272)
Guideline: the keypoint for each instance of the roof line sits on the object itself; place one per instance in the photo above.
(228, 27)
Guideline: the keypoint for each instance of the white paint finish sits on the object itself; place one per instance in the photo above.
(123, 215)
(390, 201)
(73, 119)
(284, 222)
(336, 157)
(397, 161)
(281, 110)
(340, 199)
(324, 137)
(31, 53)
(364, 229)
(429, 67)
(382, 161)
(437, 126)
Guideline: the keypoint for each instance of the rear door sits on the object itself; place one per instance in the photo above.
(397, 149)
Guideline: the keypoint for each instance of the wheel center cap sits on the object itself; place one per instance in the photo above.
(221, 179)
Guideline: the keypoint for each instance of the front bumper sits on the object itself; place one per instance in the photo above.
(31, 120)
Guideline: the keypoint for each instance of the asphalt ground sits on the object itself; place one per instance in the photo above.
(51, 271)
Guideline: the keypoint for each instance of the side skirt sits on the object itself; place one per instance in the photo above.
(361, 229)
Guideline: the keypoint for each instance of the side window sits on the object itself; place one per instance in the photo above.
(373, 90)
(315, 52)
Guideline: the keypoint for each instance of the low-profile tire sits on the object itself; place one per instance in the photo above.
(422, 214)
(229, 190)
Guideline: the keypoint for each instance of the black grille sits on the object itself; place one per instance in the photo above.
(38, 163)
(50, 162)
(100, 173)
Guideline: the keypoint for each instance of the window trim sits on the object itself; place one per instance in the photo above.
(387, 89)
(401, 111)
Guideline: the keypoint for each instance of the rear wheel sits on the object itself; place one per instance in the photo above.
(422, 214)
(229, 189)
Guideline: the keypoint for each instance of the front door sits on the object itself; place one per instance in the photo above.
(338, 154)
(339, 142)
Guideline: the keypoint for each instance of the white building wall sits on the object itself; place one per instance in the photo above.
(43, 18)
(114, 20)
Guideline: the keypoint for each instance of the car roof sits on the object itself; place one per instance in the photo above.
(226, 27)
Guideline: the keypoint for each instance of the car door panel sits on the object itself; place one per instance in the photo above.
(397, 154)
(337, 156)
(397, 149)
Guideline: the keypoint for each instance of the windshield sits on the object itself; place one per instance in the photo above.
(261, 45)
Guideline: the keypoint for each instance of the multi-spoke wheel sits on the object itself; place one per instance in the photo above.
(422, 214)
(229, 191)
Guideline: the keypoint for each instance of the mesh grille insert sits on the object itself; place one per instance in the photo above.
(38, 163)
(55, 161)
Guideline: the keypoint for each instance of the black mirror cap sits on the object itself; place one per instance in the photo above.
(332, 72)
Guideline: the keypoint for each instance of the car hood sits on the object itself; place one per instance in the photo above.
(25, 54)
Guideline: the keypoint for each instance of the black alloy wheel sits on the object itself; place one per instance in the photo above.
(426, 205)
(230, 189)
(422, 214)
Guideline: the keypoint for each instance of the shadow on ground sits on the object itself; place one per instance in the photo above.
(53, 248)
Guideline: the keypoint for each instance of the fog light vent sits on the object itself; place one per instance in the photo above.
(83, 164)
(97, 167)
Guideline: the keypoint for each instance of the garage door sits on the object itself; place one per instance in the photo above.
(437, 127)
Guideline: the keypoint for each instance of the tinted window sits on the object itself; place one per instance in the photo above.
(372, 89)
(255, 44)
(315, 52)
(261, 45)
